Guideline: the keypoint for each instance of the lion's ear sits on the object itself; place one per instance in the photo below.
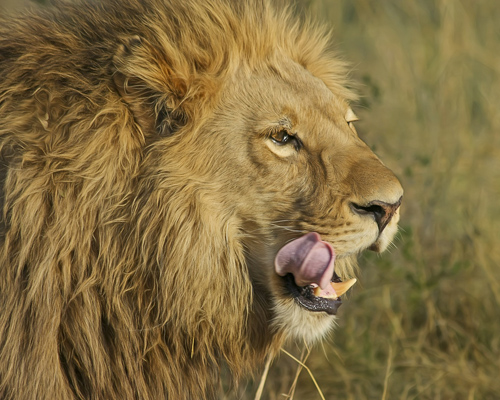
(149, 86)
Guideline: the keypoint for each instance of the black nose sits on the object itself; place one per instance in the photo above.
(381, 211)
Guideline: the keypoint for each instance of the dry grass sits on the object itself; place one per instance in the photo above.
(425, 321)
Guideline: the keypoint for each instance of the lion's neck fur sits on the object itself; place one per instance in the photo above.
(174, 294)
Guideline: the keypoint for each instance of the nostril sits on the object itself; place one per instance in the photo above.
(381, 211)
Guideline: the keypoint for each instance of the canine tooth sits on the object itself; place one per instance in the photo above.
(342, 287)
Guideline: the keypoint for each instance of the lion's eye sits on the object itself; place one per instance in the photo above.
(282, 138)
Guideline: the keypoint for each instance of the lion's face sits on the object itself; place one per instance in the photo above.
(293, 164)
(274, 156)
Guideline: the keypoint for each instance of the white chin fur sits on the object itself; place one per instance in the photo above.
(300, 324)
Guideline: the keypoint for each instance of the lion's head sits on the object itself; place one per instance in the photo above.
(184, 180)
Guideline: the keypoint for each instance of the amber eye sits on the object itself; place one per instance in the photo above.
(282, 138)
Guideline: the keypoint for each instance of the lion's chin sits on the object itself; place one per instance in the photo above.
(301, 315)
(300, 324)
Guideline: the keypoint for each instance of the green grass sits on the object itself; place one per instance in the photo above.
(425, 321)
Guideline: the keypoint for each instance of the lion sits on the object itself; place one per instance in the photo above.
(182, 191)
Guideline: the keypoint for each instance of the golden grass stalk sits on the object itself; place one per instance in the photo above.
(387, 373)
(263, 378)
(303, 358)
(308, 370)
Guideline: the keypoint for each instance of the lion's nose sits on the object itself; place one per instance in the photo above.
(381, 211)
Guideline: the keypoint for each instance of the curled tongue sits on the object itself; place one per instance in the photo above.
(309, 259)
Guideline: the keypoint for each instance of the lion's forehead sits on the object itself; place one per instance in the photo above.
(298, 100)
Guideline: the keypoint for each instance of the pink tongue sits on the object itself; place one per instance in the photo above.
(309, 259)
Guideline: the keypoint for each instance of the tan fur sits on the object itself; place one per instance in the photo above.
(144, 201)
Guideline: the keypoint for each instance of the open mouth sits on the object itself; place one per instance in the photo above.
(311, 297)
(307, 267)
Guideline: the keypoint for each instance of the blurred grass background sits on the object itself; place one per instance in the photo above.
(424, 322)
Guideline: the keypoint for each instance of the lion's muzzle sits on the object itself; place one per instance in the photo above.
(380, 210)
